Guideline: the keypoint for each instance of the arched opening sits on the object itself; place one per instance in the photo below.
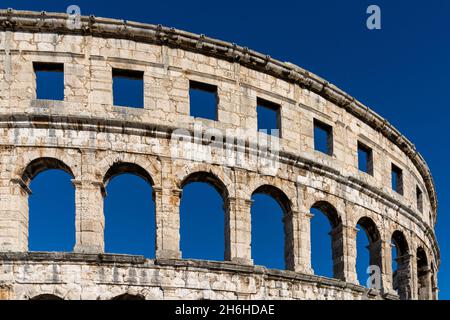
(127, 296)
(129, 211)
(326, 241)
(46, 297)
(271, 230)
(202, 217)
(51, 222)
(401, 265)
(368, 254)
(423, 275)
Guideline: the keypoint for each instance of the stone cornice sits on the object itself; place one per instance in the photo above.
(39, 22)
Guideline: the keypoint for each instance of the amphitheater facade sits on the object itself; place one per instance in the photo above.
(93, 140)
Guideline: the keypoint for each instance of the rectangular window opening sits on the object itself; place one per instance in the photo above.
(323, 137)
(365, 158)
(269, 117)
(128, 88)
(203, 100)
(49, 80)
(419, 199)
(397, 179)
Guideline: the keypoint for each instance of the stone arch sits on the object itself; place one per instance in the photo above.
(131, 293)
(400, 242)
(278, 194)
(212, 174)
(337, 243)
(144, 166)
(35, 160)
(375, 244)
(330, 212)
(46, 297)
(286, 205)
(370, 228)
(215, 182)
(128, 296)
(287, 188)
(315, 198)
(423, 275)
(401, 277)
(39, 165)
(28, 173)
(209, 178)
(119, 168)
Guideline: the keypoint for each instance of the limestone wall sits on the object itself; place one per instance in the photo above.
(89, 137)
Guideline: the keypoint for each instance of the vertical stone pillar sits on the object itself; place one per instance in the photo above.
(14, 215)
(424, 283)
(402, 274)
(434, 286)
(429, 286)
(403, 278)
(414, 278)
(238, 235)
(298, 241)
(379, 249)
(89, 216)
(338, 241)
(167, 207)
(387, 266)
(343, 239)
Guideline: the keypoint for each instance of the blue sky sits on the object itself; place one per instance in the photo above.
(400, 71)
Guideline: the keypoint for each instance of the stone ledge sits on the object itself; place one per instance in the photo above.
(71, 257)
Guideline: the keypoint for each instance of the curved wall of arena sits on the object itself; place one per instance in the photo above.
(93, 140)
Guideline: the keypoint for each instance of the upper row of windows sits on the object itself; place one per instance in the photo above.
(128, 90)
(323, 142)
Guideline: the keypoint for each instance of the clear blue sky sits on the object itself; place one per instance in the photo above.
(401, 72)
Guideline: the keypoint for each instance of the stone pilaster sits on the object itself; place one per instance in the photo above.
(298, 241)
(238, 231)
(387, 267)
(434, 288)
(414, 278)
(380, 251)
(424, 284)
(403, 277)
(14, 215)
(89, 216)
(343, 239)
(167, 205)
